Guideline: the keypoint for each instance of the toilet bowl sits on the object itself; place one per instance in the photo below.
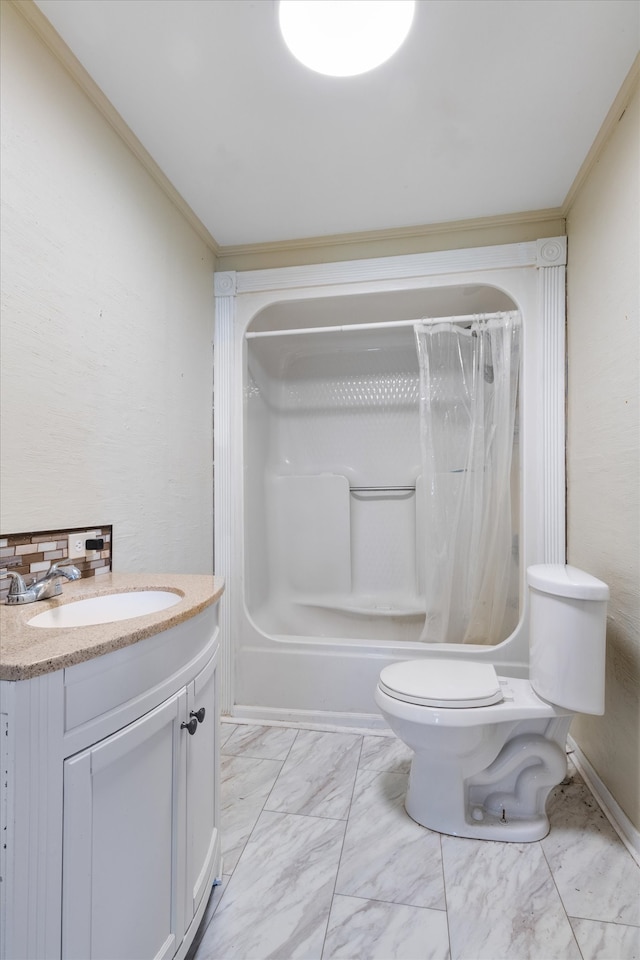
(488, 749)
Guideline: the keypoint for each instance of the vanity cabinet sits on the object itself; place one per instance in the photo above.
(122, 800)
(119, 796)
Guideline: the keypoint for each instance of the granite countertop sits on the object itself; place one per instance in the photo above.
(27, 651)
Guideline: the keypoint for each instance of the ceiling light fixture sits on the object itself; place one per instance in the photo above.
(343, 38)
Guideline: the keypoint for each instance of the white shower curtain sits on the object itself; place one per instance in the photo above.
(468, 392)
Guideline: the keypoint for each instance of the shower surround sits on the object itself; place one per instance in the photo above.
(318, 475)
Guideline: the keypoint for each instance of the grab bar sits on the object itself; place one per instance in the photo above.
(382, 489)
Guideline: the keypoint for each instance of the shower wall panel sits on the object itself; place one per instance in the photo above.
(328, 415)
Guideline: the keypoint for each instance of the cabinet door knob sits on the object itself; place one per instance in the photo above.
(191, 726)
(198, 714)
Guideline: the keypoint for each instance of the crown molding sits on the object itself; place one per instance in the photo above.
(609, 124)
(54, 42)
(393, 233)
(529, 225)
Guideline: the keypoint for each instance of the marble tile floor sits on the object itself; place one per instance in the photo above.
(322, 862)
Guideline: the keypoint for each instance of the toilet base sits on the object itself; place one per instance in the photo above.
(490, 828)
(505, 801)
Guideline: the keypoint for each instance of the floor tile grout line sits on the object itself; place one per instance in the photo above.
(353, 786)
(560, 897)
(249, 835)
(326, 925)
(273, 786)
(246, 756)
(262, 810)
(446, 899)
(377, 774)
(291, 748)
(344, 835)
(609, 923)
(390, 903)
(613, 923)
(302, 816)
(305, 816)
(224, 739)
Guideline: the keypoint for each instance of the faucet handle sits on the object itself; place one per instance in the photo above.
(17, 585)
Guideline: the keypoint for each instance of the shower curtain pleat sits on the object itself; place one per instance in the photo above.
(468, 393)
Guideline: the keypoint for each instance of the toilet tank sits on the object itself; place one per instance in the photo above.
(567, 636)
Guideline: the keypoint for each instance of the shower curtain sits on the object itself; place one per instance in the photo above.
(468, 393)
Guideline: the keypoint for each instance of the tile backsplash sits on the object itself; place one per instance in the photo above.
(32, 553)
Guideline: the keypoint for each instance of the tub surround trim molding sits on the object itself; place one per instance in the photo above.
(225, 284)
(544, 254)
(551, 253)
(551, 282)
(223, 455)
(496, 257)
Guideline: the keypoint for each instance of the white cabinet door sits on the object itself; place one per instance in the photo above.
(124, 822)
(202, 765)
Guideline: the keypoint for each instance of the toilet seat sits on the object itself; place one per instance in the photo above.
(442, 683)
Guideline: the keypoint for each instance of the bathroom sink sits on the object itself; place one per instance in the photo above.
(106, 609)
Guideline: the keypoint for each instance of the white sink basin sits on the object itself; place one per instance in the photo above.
(106, 609)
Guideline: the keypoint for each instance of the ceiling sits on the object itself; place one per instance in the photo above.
(489, 108)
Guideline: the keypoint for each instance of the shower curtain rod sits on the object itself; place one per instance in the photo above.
(385, 325)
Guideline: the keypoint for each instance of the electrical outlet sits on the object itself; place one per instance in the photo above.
(76, 545)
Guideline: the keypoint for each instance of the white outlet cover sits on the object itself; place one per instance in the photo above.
(76, 547)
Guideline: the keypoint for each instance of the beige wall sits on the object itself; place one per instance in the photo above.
(107, 323)
(603, 448)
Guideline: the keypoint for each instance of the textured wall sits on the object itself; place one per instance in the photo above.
(603, 438)
(107, 300)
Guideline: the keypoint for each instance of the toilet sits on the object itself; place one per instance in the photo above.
(488, 749)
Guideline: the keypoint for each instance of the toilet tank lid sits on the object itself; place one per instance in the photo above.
(565, 581)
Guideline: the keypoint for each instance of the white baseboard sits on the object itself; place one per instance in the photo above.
(365, 723)
(610, 807)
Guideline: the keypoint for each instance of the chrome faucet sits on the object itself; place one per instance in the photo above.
(49, 585)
